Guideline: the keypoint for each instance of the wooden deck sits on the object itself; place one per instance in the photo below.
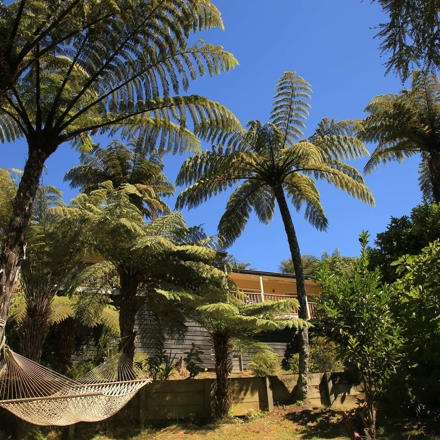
(255, 297)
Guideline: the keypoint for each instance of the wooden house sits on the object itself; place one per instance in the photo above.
(258, 287)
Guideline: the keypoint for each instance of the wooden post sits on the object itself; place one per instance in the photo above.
(269, 394)
(261, 288)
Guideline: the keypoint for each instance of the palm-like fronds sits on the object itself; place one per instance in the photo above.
(291, 106)
(269, 156)
(127, 70)
(405, 124)
(73, 69)
(125, 165)
(268, 161)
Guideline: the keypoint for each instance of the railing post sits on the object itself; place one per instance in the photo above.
(261, 288)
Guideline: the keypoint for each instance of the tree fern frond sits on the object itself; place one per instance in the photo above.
(291, 105)
(251, 195)
(302, 190)
(301, 155)
(270, 309)
(425, 179)
(352, 186)
(339, 140)
(10, 129)
(390, 152)
(406, 123)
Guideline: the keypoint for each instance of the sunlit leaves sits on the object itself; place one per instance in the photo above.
(273, 155)
(405, 124)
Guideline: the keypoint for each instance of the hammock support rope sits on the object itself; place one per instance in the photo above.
(42, 396)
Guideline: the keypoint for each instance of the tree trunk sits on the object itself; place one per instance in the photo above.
(301, 291)
(434, 172)
(13, 248)
(222, 398)
(66, 345)
(35, 327)
(128, 306)
(8, 76)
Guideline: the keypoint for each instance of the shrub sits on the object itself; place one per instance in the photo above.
(193, 361)
(323, 357)
(265, 363)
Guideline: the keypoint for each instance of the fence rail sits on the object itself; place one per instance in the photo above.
(255, 297)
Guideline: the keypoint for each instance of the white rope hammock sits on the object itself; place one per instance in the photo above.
(41, 396)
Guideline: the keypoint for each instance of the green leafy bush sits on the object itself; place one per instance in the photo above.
(193, 361)
(323, 357)
(265, 363)
(161, 365)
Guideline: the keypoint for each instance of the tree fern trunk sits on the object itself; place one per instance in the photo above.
(434, 171)
(66, 345)
(8, 76)
(35, 327)
(222, 398)
(128, 307)
(13, 248)
(301, 291)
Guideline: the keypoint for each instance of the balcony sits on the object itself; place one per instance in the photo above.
(255, 297)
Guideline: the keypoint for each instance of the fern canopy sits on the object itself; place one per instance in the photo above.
(275, 155)
(407, 124)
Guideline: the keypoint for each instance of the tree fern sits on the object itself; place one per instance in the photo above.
(74, 69)
(406, 124)
(270, 161)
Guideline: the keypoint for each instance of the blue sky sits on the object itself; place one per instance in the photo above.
(331, 45)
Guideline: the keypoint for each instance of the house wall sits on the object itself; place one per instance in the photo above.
(151, 341)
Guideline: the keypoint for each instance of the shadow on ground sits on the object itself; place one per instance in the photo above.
(323, 424)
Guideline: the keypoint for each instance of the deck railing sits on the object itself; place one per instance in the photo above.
(255, 297)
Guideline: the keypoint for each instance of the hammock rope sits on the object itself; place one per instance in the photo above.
(42, 396)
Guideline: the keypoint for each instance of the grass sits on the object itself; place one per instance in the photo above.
(280, 424)
(292, 422)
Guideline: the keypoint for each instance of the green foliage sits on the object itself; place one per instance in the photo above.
(411, 36)
(81, 368)
(161, 365)
(265, 363)
(274, 156)
(193, 361)
(404, 235)
(270, 163)
(357, 315)
(311, 264)
(407, 124)
(124, 165)
(7, 194)
(417, 296)
(118, 61)
(153, 261)
(324, 356)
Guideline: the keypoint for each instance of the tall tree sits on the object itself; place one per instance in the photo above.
(270, 161)
(148, 258)
(52, 255)
(412, 35)
(126, 70)
(404, 235)
(310, 264)
(406, 124)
